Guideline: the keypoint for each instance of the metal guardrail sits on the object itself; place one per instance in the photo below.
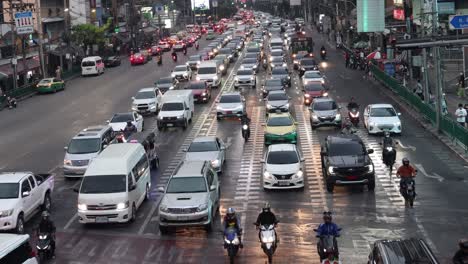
(449, 127)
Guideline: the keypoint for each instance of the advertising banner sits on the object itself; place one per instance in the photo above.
(200, 5)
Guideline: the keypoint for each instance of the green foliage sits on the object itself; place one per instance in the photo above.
(89, 34)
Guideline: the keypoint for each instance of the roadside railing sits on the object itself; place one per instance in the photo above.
(449, 127)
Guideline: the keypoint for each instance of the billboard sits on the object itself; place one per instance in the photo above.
(370, 15)
(200, 5)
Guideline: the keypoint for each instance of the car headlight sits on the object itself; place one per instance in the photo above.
(82, 207)
(203, 94)
(163, 208)
(371, 124)
(296, 61)
(187, 63)
(272, 65)
(268, 106)
(338, 116)
(180, 117)
(215, 78)
(322, 81)
(370, 167)
(215, 163)
(307, 95)
(121, 206)
(240, 107)
(299, 174)
(331, 170)
(6, 213)
(314, 117)
(67, 162)
(172, 75)
(397, 124)
(221, 68)
(236, 79)
(286, 105)
(289, 77)
(325, 94)
(255, 67)
(284, 64)
(252, 78)
(185, 74)
(202, 207)
(160, 117)
(267, 176)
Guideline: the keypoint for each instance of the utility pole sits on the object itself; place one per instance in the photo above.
(439, 77)
(14, 60)
(346, 21)
(41, 37)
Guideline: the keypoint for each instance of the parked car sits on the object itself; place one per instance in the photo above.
(119, 121)
(23, 193)
(280, 127)
(325, 112)
(147, 100)
(207, 148)
(379, 118)
(283, 167)
(346, 161)
(112, 61)
(50, 85)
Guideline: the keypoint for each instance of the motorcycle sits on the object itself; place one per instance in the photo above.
(44, 246)
(245, 131)
(11, 102)
(265, 64)
(231, 243)
(159, 60)
(268, 240)
(185, 51)
(323, 53)
(353, 115)
(389, 156)
(327, 245)
(407, 189)
(174, 57)
(197, 46)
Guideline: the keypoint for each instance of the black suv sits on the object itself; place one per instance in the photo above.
(345, 161)
(401, 251)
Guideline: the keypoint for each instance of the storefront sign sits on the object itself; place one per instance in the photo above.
(446, 8)
(398, 14)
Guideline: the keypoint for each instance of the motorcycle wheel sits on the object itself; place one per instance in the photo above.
(270, 259)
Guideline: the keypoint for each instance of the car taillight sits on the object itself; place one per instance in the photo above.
(32, 254)
(149, 50)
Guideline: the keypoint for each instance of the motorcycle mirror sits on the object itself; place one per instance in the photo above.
(133, 98)
(65, 148)
(262, 161)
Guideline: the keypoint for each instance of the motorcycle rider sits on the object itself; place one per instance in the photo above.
(266, 217)
(348, 129)
(196, 44)
(231, 220)
(185, 49)
(174, 55)
(407, 173)
(129, 129)
(462, 253)
(328, 228)
(352, 104)
(323, 51)
(47, 226)
(245, 120)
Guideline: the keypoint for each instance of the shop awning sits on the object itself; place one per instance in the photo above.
(30, 64)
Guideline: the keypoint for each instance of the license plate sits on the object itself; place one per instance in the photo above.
(88, 69)
(182, 218)
(102, 219)
(351, 177)
(170, 124)
(280, 138)
(278, 110)
(229, 112)
(283, 183)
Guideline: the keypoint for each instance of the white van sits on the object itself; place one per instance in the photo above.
(208, 71)
(276, 43)
(92, 66)
(115, 185)
(16, 249)
(177, 109)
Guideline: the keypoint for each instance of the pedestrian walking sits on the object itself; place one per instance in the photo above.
(460, 113)
(419, 90)
(461, 85)
(347, 57)
(58, 73)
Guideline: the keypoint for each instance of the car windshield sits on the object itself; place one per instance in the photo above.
(84, 145)
(194, 58)
(165, 80)
(277, 59)
(346, 149)
(145, 95)
(225, 51)
(119, 118)
(203, 146)
(253, 49)
(230, 99)
(282, 157)
(313, 87)
(196, 85)
(180, 69)
(9, 190)
(276, 53)
(308, 62)
(280, 121)
(207, 70)
(104, 184)
(186, 185)
(277, 97)
(312, 75)
(325, 106)
(279, 71)
(382, 112)
(249, 61)
(273, 82)
(88, 63)
(172, 107)
(45, 81)
(244, 72)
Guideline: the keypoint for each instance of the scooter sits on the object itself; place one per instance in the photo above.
(231, 243)
(11, 102)
(44, 247)
(407, 190)
(174, 57)
(197, 46)
(353, 115)
(268, 240)
(245, 131)
(389, 156)
(327, 245)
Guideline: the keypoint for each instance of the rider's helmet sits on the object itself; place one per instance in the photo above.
(231, 213)
(327, 217)
(387, 134)
(129, 123)
(266, 207)
(405, 161)
(463, 244)
(45, 215)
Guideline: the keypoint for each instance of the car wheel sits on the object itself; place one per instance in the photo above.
(147, 193)
(185, 124)
(46, 206)
(160, 128)
(209, 226)
(371, 185)
(20, 225)
(330, 187)
(133, 213)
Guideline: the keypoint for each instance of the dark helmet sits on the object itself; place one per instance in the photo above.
(352, 99)
(266, 207)
(129, 123)
(405, 161)
(231, 213)
(45, 215)
(387, 134)
(463, 244)
(327, 216)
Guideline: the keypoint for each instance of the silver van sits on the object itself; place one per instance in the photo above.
(84, 147)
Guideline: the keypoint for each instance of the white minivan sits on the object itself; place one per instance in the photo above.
(115, 185)
(92, 66)
(208, 71)
(16, 249)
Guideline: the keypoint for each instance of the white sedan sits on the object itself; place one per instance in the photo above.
(119, 121)
(207, 148)
(283, 167)
(379, 118)
(182, 72)
(313, 76)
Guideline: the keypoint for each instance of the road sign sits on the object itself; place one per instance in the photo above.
(159, 10)
(24, 22)
(458, 22)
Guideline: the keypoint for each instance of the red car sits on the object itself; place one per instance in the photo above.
(137, 59)
(313, 90)
(201, 91)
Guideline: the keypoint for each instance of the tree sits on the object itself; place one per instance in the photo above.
(86, 35)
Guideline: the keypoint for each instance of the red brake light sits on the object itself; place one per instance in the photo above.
(32, 254)
(149, 50)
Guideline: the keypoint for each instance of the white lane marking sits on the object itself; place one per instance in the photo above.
(433, 175)
(406, 146)
(154, 206)
(70, 222)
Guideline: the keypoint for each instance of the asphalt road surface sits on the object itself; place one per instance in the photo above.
(32, 137)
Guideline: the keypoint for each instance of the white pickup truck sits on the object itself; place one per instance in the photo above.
(22, 194)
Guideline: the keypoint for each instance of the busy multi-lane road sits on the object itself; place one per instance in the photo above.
(33, 136)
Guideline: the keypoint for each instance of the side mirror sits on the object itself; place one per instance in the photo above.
(323, 153)
(296, 123)
(76, 189)
(234, 74)
(107, 121)
(161, 189)
(339, 107)
(302, 159)
(370, 151)
(132, 187)
(223, 147)
(186, 108)
(399, 114)
(212, 187)
(262, 161)
(133, 98)
(263, 124)
(25, 194)
(65, 148)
